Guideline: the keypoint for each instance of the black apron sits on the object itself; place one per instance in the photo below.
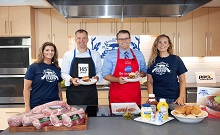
(82, 94)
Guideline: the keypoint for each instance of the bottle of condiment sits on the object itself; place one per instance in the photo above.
(162, 108)
(153, 102)
(146, 111)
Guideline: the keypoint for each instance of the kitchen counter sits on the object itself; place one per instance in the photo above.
(120, 126)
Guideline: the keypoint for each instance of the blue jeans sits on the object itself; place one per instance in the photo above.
(168, 100)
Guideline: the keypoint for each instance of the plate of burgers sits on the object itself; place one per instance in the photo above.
(189, 114)
(87, 81)
(132, 77)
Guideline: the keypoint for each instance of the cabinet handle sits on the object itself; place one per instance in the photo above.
(6, 27)
(210, 49)
(11, 26)
(116, 27)
(53, 38)
(148, 27)
(179, 43)
(80, 25)
(111, 27)
(206, 43)
(48, 37)
(85, 25)
(174, 41)
(143, 27)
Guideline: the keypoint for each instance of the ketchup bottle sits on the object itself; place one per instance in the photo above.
(153, 102)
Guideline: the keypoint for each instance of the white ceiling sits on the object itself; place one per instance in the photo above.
(43, 4)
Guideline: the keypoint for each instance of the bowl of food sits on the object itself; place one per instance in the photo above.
(189, 114)
(212, 104)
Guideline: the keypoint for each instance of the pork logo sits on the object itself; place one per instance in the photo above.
(161, 68)
(49, 75)
(205, 77)
(203, 92)
(104, 44)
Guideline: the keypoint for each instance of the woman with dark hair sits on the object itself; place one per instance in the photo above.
(166, 72)
(43, 77)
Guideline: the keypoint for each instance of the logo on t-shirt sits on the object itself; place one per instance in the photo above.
(49, 75)
(161, 68)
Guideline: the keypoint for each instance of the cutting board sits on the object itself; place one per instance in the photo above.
(82, 126)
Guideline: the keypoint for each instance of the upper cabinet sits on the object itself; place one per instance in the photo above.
(152, 26)
(124, 24)
(200, 32)
(89, 24)
(51, 27)
(138, 26)
(16, 21)
(213, 48)
(106, 26)
(184, 35)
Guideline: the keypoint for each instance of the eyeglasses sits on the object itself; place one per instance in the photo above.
(123, 39)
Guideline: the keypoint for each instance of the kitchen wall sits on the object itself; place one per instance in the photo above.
(193, 64)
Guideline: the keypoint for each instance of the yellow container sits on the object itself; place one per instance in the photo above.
(162, 107)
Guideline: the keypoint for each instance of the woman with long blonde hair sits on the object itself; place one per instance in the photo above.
(166, 72)
(43, 77)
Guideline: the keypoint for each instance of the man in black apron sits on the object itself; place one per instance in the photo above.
(82, 64)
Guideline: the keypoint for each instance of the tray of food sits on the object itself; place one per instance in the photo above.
(133, 77)
(121, 108)
(51, 116)
(87, 81)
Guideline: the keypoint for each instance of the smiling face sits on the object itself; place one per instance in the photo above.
(48, 52)
(163, 45)
(123, 41)
(81, 39)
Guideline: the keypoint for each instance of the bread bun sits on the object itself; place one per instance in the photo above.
(85, 79)
(180, 110)
(131, 75)
(195, 111)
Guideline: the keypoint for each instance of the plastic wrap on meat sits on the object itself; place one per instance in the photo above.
(70, 121)
(61, 104)
(16, 120)
(27, 120)
(40, 123)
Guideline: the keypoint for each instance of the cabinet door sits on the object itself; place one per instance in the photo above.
(168, 27)
(184, 35)
(59, 32)
(200, 32)
(42, 27)
(106, 26)
(214, 30)
(4, 28)
(91, 26)
(138, 26)
(152, 26)
(123, 25)
(20, 21)
(73, 25)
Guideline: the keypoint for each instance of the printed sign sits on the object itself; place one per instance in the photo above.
(205, 77)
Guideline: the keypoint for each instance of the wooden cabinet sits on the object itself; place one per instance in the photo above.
(51, 26)
(200, 32)
(213, 48)
(16, 21)
(206, 32)
(106, 26)
(5, 113)
(138, 26)
(152, 26)
(168, 27)
(122, 25)
(184, 35)
(89, 24)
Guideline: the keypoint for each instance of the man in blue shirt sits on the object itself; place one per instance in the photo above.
(118, 64)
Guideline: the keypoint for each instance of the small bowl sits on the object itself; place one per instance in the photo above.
(190, 120)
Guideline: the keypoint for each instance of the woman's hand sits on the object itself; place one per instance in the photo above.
(180, 101)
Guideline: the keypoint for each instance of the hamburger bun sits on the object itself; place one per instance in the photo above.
(180, 110)
(85, 79)
(131, 75)
(195, 111)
